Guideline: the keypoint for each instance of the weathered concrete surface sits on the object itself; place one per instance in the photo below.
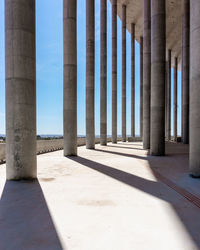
(173, 22)
(70, 77)
(175, 99)
(141, 86)
(133, 80)
(114, 71)
(185, 69)
(146, 72)
(90, 74)
(158, 42)
(103, 73)
(100, 200)
(168, 96)
(195, 88)
(20, 89)
(123, 7)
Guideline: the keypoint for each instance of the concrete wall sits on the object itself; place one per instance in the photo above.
(45, 146)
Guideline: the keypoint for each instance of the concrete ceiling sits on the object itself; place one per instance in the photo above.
(173, 22)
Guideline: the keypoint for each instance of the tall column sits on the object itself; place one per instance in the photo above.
(166, 86)
(175, 99)
(185, 70)
(114, 71)
(141, 87)
(123, 73)
(194, 161)
(169, 97)
(133, 80)
(20, 90)
(70, 78)
(90, 78)
(103, 94)
(146, 72)
(158, 41)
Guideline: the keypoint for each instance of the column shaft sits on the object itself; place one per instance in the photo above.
(141, 87)
(158, 46)
(20, 90)
(175, 100)
(114, 71)
(70, 78)
(146, 72)
(133, 80)
(166, 86)
(185, 70)
(169, 97)
(194, 159)
(123, 73)
(103, 73)
(90, 78)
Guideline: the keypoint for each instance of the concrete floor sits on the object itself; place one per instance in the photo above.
(107, 199)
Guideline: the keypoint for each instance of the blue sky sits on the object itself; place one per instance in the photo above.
(49, 52)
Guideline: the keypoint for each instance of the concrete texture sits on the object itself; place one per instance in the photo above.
(123, 72)
(141, 86)
(175, 100)
(90, 74)
(168, 96)
(173, 22)
(114, 71)
(20, 89)
(146, 72)
(185, 69)
(103, 199)
(70, 77)
(133, 80)
(194, 88)
(103, 73)
(158, 41)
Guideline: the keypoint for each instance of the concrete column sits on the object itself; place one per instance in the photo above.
(114, 71)
(146, 72)
(185, 70)
(141, 87)
(133, 80)
(90, 77)
(70, 78)
(103, 73)
(166, 86)
(158, 41)
(175, 99)
(194, 161)
(123, 73)
(20, 90)
(169, 97)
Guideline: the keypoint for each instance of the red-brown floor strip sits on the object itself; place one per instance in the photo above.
(189, 196)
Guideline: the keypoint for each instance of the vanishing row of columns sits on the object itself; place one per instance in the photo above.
(155, 81)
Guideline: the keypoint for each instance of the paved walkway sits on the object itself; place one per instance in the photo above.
(111, 198)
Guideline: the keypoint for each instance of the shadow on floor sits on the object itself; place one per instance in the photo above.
(23, 206)
(110, 146)
(187, 212)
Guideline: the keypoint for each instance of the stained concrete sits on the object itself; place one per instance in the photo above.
(123, 7)
(114, 71)
(90, 74)
(133, 80)
(70, 77)
(158, 46)
(20, 89)
(194, 88)
(108, 198)
(103, 73)
(146, 72)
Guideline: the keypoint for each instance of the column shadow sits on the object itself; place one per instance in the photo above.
(157, 189)
(25, 220)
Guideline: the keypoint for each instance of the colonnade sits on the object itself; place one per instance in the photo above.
(155, 85)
